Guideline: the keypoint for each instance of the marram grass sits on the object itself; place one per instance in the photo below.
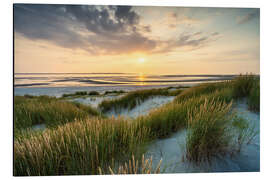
(77, 148)
(48, 110)
(254, 96)
(208, 130)
(133, 98)
(82, 147)
(142, 166)
(98, 145)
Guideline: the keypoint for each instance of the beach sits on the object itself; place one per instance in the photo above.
(142, 103)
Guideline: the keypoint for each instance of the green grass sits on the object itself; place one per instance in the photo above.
(131, 99)
(172, 117)
(81, 94)
(141, 166)
(78, 148)
(93, 93)
(254, 96)
(48, 110)
(208, 131)
(114, 92)
(206, 88)
(82, 147)
(98, 145)
(242, 85)
(245, 132)
(177, 87)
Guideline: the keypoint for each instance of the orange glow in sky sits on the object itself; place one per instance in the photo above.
(148, 40)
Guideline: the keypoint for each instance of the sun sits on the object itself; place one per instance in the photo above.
(141, 60)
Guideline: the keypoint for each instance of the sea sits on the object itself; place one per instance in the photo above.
(56, 84)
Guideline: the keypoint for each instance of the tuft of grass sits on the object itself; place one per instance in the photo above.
(177, 87)
(114, 92)
(242, 85)
(81, 93)
(208, 131)
(48, 110)
(131, 99)
(245, 133)
(93, 93)
(202, 89)
(254, 96)
(175, 92)
(171, 117)
(29, 96)
(143, 166)
(79, 147)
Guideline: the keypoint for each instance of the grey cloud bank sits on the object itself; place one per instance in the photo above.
(95, 29)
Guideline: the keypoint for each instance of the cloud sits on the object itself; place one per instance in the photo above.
(39, 22)
(99, 30)
(96, 29)
(103, 20)
(248, 17)
(172, 20)
(215, 33)
(191, 41)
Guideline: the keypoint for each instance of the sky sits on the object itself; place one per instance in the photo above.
(136, 39)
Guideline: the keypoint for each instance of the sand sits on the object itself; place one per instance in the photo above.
(39, 127)
(172, 150)
(139, 110)
(144, 108)
(95, 100)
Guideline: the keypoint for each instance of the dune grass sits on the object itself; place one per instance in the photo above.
(206, 88)
(29, 111)
(245, 132)
(131, 99)
(248, 86)
(114, 92)
(143, 166)
(79, 147)
(254, 96)
(80, 94)
(208, 131)
(172, 117)
(242, 85)
(82, 147)
(94, 145)
(177, 87)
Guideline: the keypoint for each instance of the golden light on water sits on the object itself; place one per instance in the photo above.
(141, 79)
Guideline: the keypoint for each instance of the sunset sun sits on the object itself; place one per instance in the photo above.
(141, 60)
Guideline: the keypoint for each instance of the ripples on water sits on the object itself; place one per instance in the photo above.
(94, 79)
(59, 83)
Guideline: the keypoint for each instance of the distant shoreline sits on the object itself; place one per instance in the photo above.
(113, 83)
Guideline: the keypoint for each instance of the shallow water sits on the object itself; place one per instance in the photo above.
(101, 79)
(57, 84)
(172, 151)
(59, 91)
